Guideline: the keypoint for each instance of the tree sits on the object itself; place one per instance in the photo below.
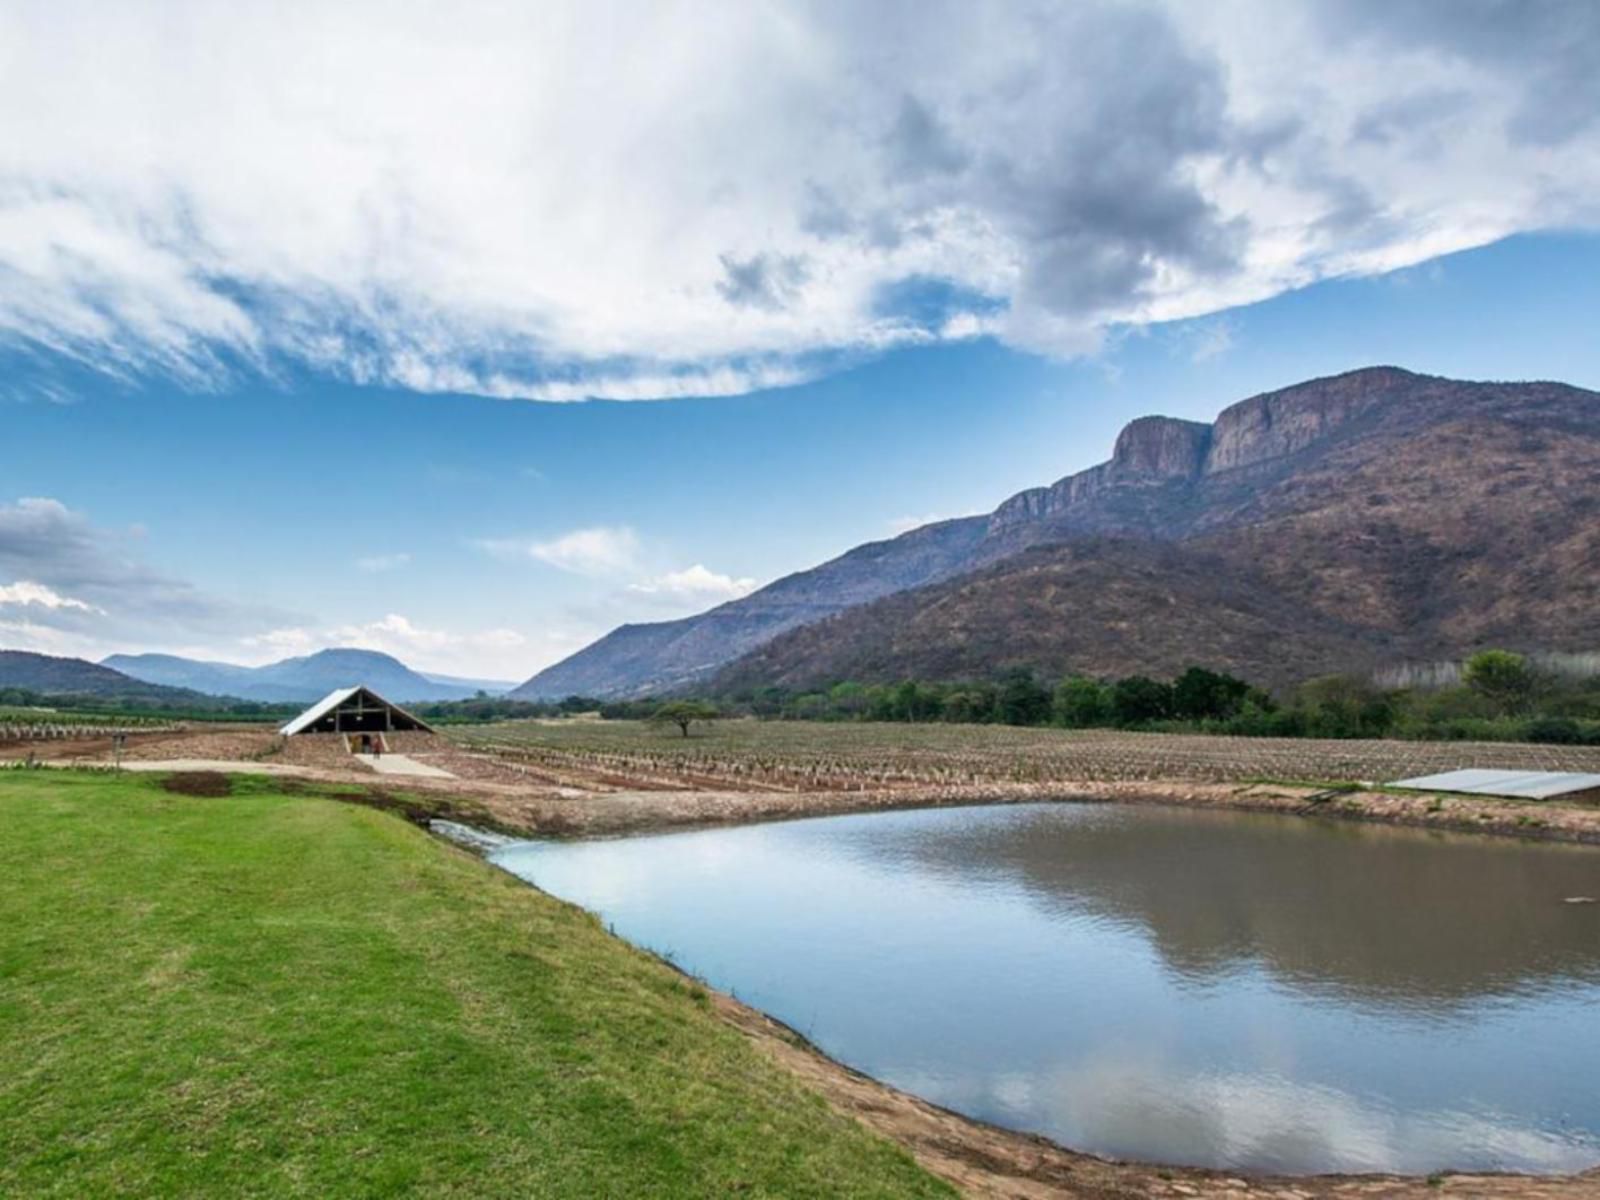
(1344, 706)
(684, 713)
(1138, 700)
(848, 698)
(1080, 702)
(968, 704)
(1502, 678)
(1199, 695)
(1022, 700)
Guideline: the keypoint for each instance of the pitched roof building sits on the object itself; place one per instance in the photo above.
(354, 710)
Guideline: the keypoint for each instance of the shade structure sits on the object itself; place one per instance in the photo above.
(1522, 785)
(354, 709)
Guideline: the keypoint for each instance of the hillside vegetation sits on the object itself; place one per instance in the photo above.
(260, 994)
(1363, 521)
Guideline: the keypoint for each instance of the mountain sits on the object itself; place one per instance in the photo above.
(495, 687)
(52, 676)
(639, 659)
(1342, 524)
(1375, 515)
(168, 670)
(294, 680)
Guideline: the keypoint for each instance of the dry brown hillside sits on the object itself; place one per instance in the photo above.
(1340, 524)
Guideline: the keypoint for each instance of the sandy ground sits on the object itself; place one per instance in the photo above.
(981, 1160)
(402, 764)
(226, 766)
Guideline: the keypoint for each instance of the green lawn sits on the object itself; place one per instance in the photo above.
(283, 995)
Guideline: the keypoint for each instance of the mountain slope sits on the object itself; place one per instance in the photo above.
(293, 679)
(169, 670)
(1343, 523)
(52, 676)
(636, 659)
(1427, 515)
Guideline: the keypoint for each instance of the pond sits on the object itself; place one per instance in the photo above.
(1181, 986)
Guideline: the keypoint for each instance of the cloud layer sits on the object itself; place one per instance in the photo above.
(62, 577)
(71, 587)
(561, 201)
(698, 584)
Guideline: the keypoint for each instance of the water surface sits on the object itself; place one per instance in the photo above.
(1218, 989)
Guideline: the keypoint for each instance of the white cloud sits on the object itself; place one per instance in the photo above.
(568, 200)
(76, 576)
(376, 563)
(697, 583)
(484, 652)
(23, 593)
(599, 551)
(80, 589)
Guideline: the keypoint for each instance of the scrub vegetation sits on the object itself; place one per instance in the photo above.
(868, 755)
(260, 994)
(1496, 696)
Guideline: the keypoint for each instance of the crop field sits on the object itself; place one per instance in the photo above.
(26, 724)
(795, 755)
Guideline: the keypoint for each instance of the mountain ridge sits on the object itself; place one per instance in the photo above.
(1167, 479)
(54, 675)
(293, 680)
(1392, 518)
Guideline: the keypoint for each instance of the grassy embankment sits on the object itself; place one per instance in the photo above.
(263, 994)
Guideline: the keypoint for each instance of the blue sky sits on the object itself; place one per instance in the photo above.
(468, 333)
(331, 506)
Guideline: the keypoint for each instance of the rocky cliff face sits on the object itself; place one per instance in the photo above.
(1178, 456)
(1278, 424)
(1149, 451)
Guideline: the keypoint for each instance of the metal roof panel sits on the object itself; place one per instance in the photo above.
(1527, 785)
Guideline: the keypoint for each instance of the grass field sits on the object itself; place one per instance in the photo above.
(268, 995)
(807, 754)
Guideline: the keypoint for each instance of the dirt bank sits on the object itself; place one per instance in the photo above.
(991, 1163)
(549, 813)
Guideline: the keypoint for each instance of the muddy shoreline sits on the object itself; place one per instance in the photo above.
(624, 813)
(993, 1163)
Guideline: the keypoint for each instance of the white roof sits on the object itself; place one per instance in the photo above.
(320, 709)
(332, 701)
(1528, 785)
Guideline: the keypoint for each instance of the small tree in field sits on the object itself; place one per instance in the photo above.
(1502, 678)
(684, 713)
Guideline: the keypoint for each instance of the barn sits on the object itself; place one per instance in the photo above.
(355, 710)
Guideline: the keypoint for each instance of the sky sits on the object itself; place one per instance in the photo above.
(469, 332)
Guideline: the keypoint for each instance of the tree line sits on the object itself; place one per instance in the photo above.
(1502, 697)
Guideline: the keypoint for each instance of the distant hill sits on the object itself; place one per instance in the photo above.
(1377, 516)
(296, 679)
(52, 676)
(495, 687)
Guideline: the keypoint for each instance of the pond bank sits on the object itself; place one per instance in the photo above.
(610, 814)
(987, 1161)
(992, 1163)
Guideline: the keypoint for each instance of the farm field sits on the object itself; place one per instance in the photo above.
(25, 722)
(262, 994)
(800, 755)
